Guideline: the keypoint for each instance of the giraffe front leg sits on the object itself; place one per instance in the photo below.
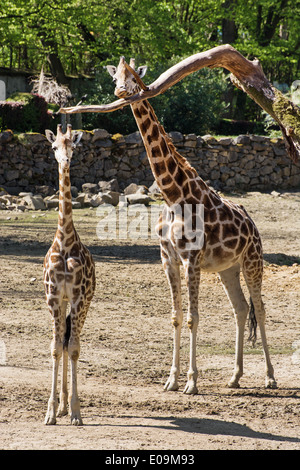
(172, 271)
(56, 351)
(192, 274)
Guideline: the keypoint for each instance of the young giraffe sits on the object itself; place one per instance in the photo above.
(230, 238)
(69, 277)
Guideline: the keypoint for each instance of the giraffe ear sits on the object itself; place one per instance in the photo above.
(50, 136)
(142, 71)
(76, 137)
(111, 69)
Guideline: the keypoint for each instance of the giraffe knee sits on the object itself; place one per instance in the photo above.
(74, 351)
(56, 349)
(176, 319)
(192, 321)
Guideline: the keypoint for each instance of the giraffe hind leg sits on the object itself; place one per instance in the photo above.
(253, 280)
(231, 282)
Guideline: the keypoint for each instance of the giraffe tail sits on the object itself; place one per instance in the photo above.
(67, 332)
(252, 324)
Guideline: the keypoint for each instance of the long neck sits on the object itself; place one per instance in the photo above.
(176, 178)
(65, 221)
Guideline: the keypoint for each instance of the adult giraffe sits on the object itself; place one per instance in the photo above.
(230, 240)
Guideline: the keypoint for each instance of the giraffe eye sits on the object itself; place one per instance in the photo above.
(54, 148)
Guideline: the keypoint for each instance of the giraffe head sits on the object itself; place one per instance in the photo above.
(126, 83)
(63, 144)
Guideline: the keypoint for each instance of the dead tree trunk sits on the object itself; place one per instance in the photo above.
(245, 74)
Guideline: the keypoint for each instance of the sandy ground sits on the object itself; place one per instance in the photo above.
(126, 347)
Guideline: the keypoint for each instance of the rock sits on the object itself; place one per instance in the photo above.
(35, 138)
(134, 188)
(45, 190)
(134, 138)
(24, 194)
(176, 136)
(34, 202)
(76, 205)
(80, 199)
(6, 137)
(109, 197)
(111, 185)
(11, 175)
(242, 140)
(225, 141)
(51, 202)
(110, 173)
(266, 170)
(74, 191)
(209, 139)
(91, 188)
(138, 199)
(154, 188)
(100, 134)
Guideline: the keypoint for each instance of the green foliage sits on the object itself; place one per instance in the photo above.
(86, 33)
(78, 37)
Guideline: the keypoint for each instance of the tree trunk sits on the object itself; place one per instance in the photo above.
(245, 74)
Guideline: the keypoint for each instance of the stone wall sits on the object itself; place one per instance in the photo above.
(247, 162)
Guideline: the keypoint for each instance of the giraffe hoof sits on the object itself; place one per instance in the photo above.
(171, 386)
(190, 389)
(271, 383)
(50, 420)
(233, 384)
(76, 421)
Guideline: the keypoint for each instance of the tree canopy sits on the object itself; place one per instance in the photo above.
(76, 37)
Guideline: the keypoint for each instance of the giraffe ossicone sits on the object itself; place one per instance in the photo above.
(69, 279)
(231, 241)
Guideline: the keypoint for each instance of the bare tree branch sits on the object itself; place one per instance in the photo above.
(247, 75)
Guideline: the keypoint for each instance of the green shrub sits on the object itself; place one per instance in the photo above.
(25, 112)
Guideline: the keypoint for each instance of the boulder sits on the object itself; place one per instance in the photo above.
(134, 188)
(154, 188)
(91, 188)
(111, 185)
(51, 202)
(34, 202)
(138, 198)
(100, 134)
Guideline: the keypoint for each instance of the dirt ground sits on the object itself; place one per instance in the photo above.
(126, 347)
